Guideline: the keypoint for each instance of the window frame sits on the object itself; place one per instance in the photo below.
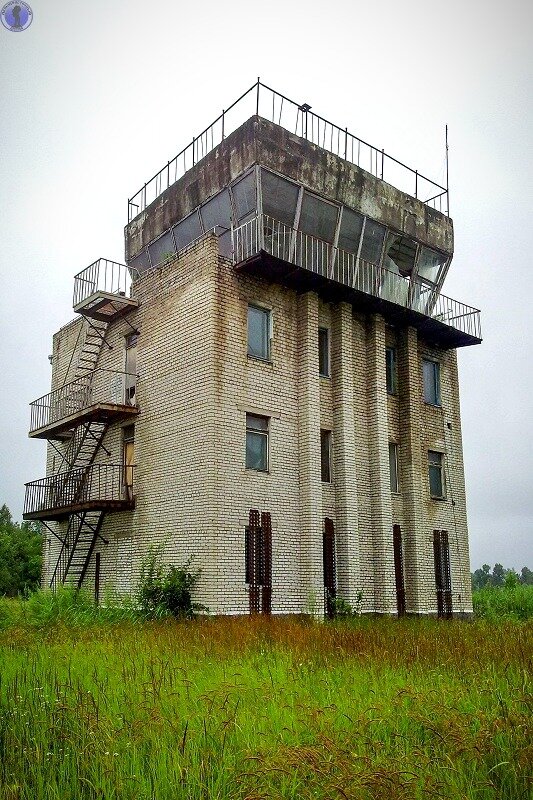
(327, 372)
(268, 314)
(394, 484)
(437, 464)
(392, 385)
(258, 432)
(325, 466)
(436, 397)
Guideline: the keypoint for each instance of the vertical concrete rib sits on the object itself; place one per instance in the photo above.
(311, 522)
(344, 474)
(378, 433)
(417, 556)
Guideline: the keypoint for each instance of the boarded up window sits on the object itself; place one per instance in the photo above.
(443, 582)
(258, 561)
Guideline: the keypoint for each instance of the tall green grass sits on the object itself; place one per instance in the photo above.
(250, 708)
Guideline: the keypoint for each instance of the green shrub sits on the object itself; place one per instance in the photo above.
(166, 590)
(511, 601)
(342, 609)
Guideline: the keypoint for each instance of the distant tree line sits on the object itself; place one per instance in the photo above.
(483, 577)
(20, 555)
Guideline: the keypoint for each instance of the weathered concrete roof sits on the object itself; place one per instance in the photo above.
(259, 141)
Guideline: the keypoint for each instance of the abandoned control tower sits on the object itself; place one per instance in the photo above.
(269, 384)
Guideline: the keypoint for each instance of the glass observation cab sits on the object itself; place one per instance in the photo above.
(338, 228)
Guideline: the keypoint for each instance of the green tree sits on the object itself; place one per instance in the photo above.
(20, 555)
(498, 575)
(481, 577)
(526, 576)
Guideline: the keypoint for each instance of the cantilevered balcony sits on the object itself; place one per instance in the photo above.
(98, 487)
(102, 396)
(102, 290)
(269, 249)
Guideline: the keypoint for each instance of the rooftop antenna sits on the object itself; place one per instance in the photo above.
(447, 178)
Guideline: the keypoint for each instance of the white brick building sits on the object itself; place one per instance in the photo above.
(269, 386)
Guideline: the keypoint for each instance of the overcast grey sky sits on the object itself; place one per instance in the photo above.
(97, 96)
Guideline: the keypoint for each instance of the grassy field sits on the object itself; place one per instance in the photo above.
(266, 708)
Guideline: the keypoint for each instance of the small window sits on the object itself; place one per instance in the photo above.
(393, 467)
(436, 474)
(323, 352)
(244, 196)
(259, 332)
(217, 212)
(350, 230)
(325, 456)
(256, 442)
(431, 371)
(392, 370)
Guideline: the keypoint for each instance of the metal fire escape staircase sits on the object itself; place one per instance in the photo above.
(83, 445)
(78, 415)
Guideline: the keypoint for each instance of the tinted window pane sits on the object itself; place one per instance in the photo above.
(187, 230)
(244, 196)
(372, 241)
(325, 456)
(318, 218)
(350, 230)
(256, 423)
(224, 244)
(431, 372)
(436, 486)
(217, 211)
(279, 197)
(430, 263)
(258, 332)
(256, 442)
(393, 467)
(162, 248)
(323, 351)
(140, 262)
(391, 369)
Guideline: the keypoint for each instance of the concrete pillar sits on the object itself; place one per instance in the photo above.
(347, 534)
(311, 522)
(378, 437)
(414, 471)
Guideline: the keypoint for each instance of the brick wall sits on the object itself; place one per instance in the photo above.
(196, 384)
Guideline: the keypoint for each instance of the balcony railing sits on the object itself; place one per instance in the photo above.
(96, 486)
(103, 277)
(297, 118)
(100, 386)
(263, 233)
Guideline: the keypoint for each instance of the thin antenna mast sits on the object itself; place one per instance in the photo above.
(447, 177)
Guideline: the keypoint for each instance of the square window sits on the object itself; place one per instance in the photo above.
(393, 467)
(436, 474)
(431, 370)
(392, 370)
(259, 332)
(256, 442)
(325, 456)
(323, 352)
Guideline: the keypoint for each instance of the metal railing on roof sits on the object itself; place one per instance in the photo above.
(261, 100)
(263, 233)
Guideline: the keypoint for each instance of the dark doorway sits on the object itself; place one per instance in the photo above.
(330, 572)
(398, 569)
